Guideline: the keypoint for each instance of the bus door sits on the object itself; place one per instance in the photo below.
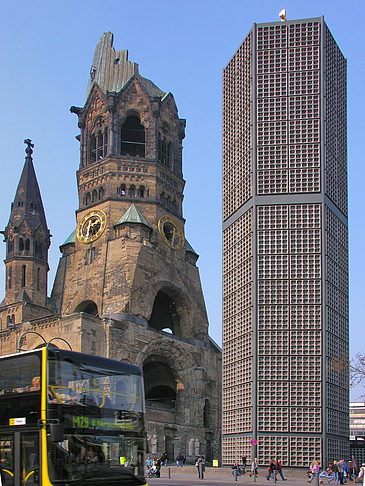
(19, 458)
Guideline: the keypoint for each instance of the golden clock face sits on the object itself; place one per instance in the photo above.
(91, 227)
(171, 232)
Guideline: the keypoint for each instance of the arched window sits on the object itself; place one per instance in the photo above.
(94, 195)
(164, 151)
(121, 190)
(87, 198)
(10, 246)
(21, 244)
(163, 199)
(164, 314)
(132, 191)
(27, 244)
(98, 145)
(92, 148)
(101, 193)
(141, 191)
(133, 137)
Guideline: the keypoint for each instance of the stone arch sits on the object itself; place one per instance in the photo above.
(168, 371)
(87, 307)
(160, 383)
(170, 310)
(172, 352)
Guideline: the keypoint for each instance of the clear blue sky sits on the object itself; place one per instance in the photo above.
(46, 52)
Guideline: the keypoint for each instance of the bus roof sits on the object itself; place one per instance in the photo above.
(85, 359)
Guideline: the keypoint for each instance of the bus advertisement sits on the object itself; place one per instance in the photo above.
(70, 418)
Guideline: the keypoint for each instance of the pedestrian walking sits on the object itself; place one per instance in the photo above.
(200, 465)
(254, 468)
(314, 470)
(278, 469)
(271, 469)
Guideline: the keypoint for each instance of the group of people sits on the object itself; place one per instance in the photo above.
(274, 469)
(338, 471)
(237, 469)
(153, 466)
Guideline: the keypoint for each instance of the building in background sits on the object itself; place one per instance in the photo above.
(127, 285)
(285, 246)
(357, 431)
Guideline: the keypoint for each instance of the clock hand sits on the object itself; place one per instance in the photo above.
(88, 228)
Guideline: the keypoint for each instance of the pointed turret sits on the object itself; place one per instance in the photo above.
(27, 206)
(27, 240)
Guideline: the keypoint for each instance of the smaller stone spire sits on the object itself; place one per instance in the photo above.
(27, 205)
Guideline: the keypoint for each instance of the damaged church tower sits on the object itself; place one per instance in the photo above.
(127, 286)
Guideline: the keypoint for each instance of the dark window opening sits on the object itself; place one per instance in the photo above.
(87, 307)
(38, 279)
(164, 314)
(141, 191)
(132, 191)
(10, 319)
(23, 275)
(10, 246)
(92, 148)
(98, 145)
(21, 244)
(94, 195)
(27, 244)
(101, 193)
(164, 151)
(206, 415)
(133, 137)
(87, 199)
(161, 394)
(121, 190)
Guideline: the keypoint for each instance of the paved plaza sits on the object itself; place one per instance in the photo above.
(188, 476)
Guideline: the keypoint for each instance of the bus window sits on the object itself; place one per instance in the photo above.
(18, 376)
(29, 462)
(7, 460)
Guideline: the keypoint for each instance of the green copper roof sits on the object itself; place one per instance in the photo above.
(71, 238)
(133, 215)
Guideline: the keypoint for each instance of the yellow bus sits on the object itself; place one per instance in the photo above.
(68, 418)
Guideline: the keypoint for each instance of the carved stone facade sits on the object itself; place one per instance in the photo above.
(127, 286)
